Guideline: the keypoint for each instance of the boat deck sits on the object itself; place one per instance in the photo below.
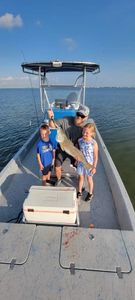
(63, 262)
(101, 212)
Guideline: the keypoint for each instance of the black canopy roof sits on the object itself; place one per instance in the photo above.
(59, 66)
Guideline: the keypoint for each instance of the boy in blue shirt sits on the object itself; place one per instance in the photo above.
(45, 153)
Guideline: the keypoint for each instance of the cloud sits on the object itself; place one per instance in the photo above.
(70, 43)
(18, 82)
(38, 23)
(9, 21)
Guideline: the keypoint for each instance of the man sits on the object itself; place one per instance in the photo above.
(72, 126)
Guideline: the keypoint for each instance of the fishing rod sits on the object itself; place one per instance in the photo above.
(31, 86)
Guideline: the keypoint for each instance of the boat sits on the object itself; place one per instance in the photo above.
(92, 257)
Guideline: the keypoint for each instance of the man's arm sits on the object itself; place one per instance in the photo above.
(57, 123)
(51, 118)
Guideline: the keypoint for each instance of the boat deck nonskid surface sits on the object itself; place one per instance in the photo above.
(52, 265)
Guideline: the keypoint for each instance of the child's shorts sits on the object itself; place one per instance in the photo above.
(47, 169)
(82, 171)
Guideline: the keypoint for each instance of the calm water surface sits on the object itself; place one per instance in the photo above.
(112, 109)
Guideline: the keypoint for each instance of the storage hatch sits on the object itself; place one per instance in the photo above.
(94, 250)
(15, 242)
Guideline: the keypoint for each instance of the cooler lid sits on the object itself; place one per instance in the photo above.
(94, 250)
(50, 197)
(15, 242)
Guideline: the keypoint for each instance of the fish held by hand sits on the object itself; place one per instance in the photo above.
(67, 146)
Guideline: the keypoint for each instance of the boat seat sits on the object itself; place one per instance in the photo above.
(60, 103)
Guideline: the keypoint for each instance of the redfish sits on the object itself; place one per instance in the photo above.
(67, 146)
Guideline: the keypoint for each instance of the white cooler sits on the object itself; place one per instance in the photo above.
(51, 205)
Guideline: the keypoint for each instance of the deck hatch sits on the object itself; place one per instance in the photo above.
(104, 252)
(15, 243)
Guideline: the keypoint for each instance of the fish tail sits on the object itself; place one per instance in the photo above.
(88, 166)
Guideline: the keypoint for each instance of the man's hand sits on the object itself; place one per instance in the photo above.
(50, 114)
(51, 118)
(78, 157)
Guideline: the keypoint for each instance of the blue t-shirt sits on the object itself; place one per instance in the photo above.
(45, 150)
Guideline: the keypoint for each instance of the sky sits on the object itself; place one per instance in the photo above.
(100, 31)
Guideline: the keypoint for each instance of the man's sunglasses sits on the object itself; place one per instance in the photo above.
(80, 115)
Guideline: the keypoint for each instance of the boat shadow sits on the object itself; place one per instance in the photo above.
(14, 190)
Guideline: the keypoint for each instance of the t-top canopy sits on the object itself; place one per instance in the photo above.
(59, 66)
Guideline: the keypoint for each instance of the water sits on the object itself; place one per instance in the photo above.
(113, 110)
(18, 120)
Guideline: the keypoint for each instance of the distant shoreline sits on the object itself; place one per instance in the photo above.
(29, 88)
